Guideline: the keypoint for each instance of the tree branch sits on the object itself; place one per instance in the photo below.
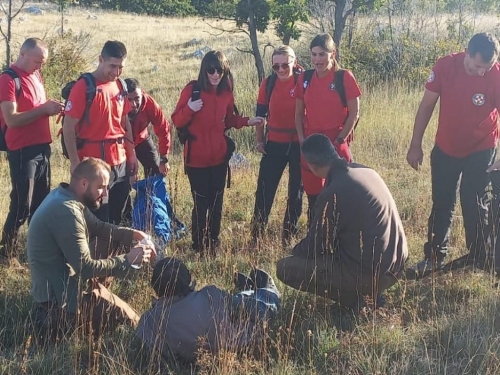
(23, 2)
(224, 30)
(244, 50)
(4, 10)
(3, 34)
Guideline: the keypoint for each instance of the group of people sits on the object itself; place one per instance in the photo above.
(355, 245)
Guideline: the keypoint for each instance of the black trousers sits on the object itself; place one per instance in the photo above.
(148, 156)
(467, 175)
(207, 188)
(112, 208)
(30, 179)
(272, 166)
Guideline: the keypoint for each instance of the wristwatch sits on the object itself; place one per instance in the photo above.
(163, 159)
(340, 140)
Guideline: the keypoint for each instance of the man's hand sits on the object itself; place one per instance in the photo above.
(164, 168)
(132, 165)
(196, 105)
(53, 107)
(139, 235)
(139, 254)
(261, 147)
(415, 156)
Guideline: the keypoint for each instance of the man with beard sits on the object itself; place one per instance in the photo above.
(62, 270)
(144, 111)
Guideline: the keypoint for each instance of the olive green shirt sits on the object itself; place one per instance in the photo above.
(58, 249)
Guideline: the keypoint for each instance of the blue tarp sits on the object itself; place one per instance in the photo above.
(153, 210)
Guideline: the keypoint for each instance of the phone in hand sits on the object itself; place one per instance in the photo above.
(195, 95)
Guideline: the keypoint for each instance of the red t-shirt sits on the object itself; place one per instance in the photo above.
(324, 110)
(32, 96)
(468, 106)
(105, 114)
(281, 121)
(151, 112)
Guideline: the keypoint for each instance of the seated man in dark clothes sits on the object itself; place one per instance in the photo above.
(356, 246)
(183, 321)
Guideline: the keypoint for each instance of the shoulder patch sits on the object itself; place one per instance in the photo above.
(432, 76)
(478, 99)
(69, 105)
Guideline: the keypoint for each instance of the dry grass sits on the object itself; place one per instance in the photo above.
(440, 326)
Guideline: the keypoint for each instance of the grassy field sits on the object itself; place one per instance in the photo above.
(443, 325)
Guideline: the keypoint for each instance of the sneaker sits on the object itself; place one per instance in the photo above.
(424, 268)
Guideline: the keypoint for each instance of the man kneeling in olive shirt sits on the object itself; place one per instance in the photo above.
(63, 271)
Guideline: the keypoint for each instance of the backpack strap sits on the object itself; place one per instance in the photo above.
(308, 74)
(271, 82)
(124, 87)
(17, 81)
(90, 93)
(339, 86)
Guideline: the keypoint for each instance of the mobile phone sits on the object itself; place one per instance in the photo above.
(195, 95)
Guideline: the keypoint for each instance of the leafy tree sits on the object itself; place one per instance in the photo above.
(287, 14)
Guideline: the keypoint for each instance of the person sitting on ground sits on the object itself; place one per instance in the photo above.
(356, 246)
(183, 321)
(59, 257)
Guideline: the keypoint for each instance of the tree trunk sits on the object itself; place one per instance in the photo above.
(340, 22)
(9, 35)
(255, 43)
(286, 39)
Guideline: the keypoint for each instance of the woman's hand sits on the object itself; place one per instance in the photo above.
(196, 105)
(256, 121)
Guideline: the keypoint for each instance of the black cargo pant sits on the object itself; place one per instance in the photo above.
(148, 156)
(113, 206)
(446, 173)
(30, 179)
(272, 166)
(207, 188)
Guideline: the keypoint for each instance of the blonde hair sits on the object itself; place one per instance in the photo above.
(284, 51)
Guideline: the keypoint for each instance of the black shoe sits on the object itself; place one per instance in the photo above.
(242, 282)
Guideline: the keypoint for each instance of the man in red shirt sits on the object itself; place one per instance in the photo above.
(108, 134)
(144, 111)
(24, 119)
(468, 86)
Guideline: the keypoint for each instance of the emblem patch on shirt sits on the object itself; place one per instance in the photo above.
(292, 92)
(120, 97)
(69, 105)
(431, 78)
(305, 84)
(478, 99)
(332, 86)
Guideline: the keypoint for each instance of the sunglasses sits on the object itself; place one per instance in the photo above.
(213, 70)
(283, 66)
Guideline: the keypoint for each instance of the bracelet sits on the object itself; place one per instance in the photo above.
(163, 159)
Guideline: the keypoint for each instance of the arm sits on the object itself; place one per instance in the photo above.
(69, 133)
(232, 119)
(107, 231)
(162, 130)
(183, 114)
(15, 119)
(415, 154)
(299, 118)
(353, 109)
(132, 163)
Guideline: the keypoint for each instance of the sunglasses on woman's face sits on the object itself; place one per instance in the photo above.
(213, 70)
(283, 66)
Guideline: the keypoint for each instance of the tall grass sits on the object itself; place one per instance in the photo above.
(443, 325)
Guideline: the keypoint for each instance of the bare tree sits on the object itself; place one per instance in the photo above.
(10, 14)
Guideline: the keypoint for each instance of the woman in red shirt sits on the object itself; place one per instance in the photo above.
(319, 108)
(204, 112)
(276, 101)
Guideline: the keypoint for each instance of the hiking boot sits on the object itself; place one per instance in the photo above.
(262, 279)
(242, 282)
(424, 268)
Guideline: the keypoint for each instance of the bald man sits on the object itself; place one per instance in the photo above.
(24, 120)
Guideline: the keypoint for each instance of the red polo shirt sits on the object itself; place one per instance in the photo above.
(32, 96)
(468, 111)
(281, 121)
(105, 114)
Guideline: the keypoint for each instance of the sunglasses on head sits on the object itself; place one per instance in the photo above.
(213, 70)
(283, 66)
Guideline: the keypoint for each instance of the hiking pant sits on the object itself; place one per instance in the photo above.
(113, 206)
(207, 189)
(311, 200)
(446, 173)
(272, 165)
(327, 276)
(30, 179)
(148, 156)
(100, 311)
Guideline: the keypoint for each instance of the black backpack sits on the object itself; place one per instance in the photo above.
(90, 94)
(339, 87)
(3, 127)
